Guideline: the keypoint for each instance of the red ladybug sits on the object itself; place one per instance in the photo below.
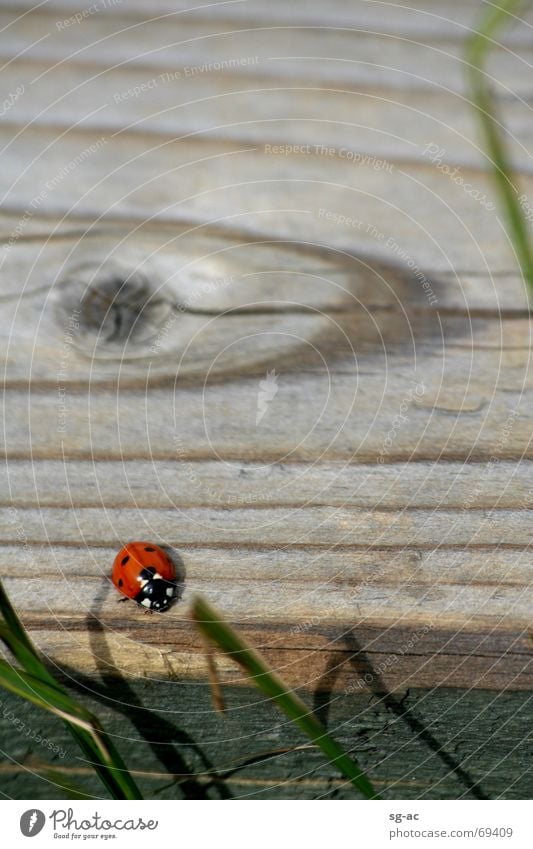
(145, 573)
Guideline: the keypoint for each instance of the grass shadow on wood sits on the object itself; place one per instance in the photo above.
(362, 665)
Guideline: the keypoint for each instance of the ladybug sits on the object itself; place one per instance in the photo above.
(144, 572)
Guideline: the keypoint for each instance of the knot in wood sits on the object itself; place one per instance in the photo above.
(119, 308)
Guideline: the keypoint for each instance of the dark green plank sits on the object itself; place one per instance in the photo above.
(422, 744)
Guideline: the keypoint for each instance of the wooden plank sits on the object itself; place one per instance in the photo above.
(110, 102)
(329, 566)
(158, 484)
(384, 603)
(249, 339)
(406, 656)
(200, 180)
(313, 419)
(373, 542)
(298, 49)
(448, 19)
(176, 655)
(398, 126)
(183, 259)
(442, 19)
(419, 744)
(429, 617)
(384, 596)
(312, 526)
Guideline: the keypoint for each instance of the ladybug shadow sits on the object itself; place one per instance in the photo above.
(164, 738)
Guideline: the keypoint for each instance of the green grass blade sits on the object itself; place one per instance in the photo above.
(37, 684)
(44, 696)
(100, 752)
(213, 626)
(87, 730)
(17, 629)
(27, 657)
(479, 45)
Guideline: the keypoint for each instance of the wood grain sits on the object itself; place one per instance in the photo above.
(158, 484)
(135, 177)
(164, 246)
(435, 744)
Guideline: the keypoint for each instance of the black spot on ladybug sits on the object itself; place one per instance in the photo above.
(120, 582)
(149, 549)
(124, 560)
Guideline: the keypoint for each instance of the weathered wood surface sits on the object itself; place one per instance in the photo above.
(441, 743)
(158, 257)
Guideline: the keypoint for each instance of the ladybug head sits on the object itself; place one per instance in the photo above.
(156, 593)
